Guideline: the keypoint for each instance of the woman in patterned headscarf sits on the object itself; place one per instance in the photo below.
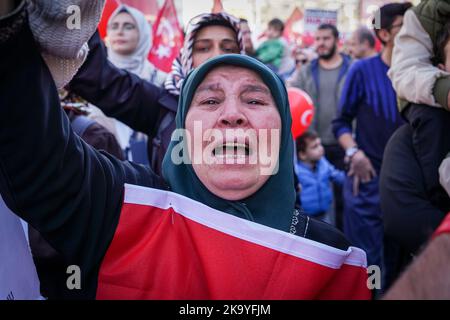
(207, 35)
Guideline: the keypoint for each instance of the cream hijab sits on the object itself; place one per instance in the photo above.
(137, 62)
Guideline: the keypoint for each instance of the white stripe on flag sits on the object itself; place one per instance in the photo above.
(247, 230)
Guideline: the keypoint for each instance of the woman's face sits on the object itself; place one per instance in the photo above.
(212, 41)
(231, 103)
(123, 34)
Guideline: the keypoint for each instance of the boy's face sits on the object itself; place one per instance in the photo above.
(314, 151)
(273, 33)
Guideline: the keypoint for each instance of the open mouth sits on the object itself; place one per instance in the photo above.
(232, 150)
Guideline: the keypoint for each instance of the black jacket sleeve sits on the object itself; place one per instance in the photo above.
(64, 188)
(118, 93)
(408, 214)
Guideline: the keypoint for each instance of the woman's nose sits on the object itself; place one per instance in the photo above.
(216, 51)
(232, 117)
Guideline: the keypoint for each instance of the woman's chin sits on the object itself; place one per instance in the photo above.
(233, 186)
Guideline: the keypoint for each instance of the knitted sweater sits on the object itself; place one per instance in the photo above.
(61, 29)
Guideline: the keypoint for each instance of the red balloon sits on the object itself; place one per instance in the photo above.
(302, 111)
(110, 7)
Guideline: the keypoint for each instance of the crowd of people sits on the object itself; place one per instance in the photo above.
(81, 121)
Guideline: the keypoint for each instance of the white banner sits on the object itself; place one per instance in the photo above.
(316, 17)
(18, 277)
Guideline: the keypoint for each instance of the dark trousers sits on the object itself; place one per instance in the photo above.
(363, 227)
(431, 142)
(335, 154)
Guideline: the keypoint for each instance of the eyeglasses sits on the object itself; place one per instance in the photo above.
(124, 27)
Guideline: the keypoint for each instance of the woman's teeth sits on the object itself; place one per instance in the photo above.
(232, 150)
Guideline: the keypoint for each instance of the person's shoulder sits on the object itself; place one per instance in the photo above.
(321, 232)
(302, 167)
(360, 66)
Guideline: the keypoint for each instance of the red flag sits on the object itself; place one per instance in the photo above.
(149, 8)
(217, 7)
(289, 32)
(167, 246)
(110, 7)
(167, 38)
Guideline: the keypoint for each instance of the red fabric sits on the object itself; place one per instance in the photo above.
(444, 227)
(149, 8)
(160, 254)
(110, 7)
(167, 38)
(289, 34)
(217, 7)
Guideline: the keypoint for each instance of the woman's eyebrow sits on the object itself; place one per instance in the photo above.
(255, 88)
(202, 41)
(209, 87)
(229, 40)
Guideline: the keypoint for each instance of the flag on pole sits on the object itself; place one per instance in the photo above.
(167, 246)
(289, 33)
(167, 38)
(217, 7)
(110, 7)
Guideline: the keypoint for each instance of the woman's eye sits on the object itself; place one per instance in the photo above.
(201, 49)
(113, 26)
(231, 50)
(210, 102)
(256, 102)
(129, 27)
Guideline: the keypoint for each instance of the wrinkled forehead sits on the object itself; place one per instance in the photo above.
(229, 71)
(226, 77)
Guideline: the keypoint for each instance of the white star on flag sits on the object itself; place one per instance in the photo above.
(163, 51)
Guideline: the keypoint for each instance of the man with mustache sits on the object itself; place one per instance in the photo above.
(323, 80)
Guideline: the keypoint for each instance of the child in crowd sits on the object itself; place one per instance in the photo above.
(315, 173)
(271, 51)
(421, 78)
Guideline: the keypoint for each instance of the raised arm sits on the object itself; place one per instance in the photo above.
(118, 93)
(413, 76)
(68, 191)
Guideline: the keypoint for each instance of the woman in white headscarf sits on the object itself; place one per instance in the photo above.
(129, 41)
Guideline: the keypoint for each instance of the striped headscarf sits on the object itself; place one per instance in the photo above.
(183, 64)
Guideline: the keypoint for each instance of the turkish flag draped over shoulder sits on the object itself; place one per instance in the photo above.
(167, 246)
(167, 38)
(110, 7)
